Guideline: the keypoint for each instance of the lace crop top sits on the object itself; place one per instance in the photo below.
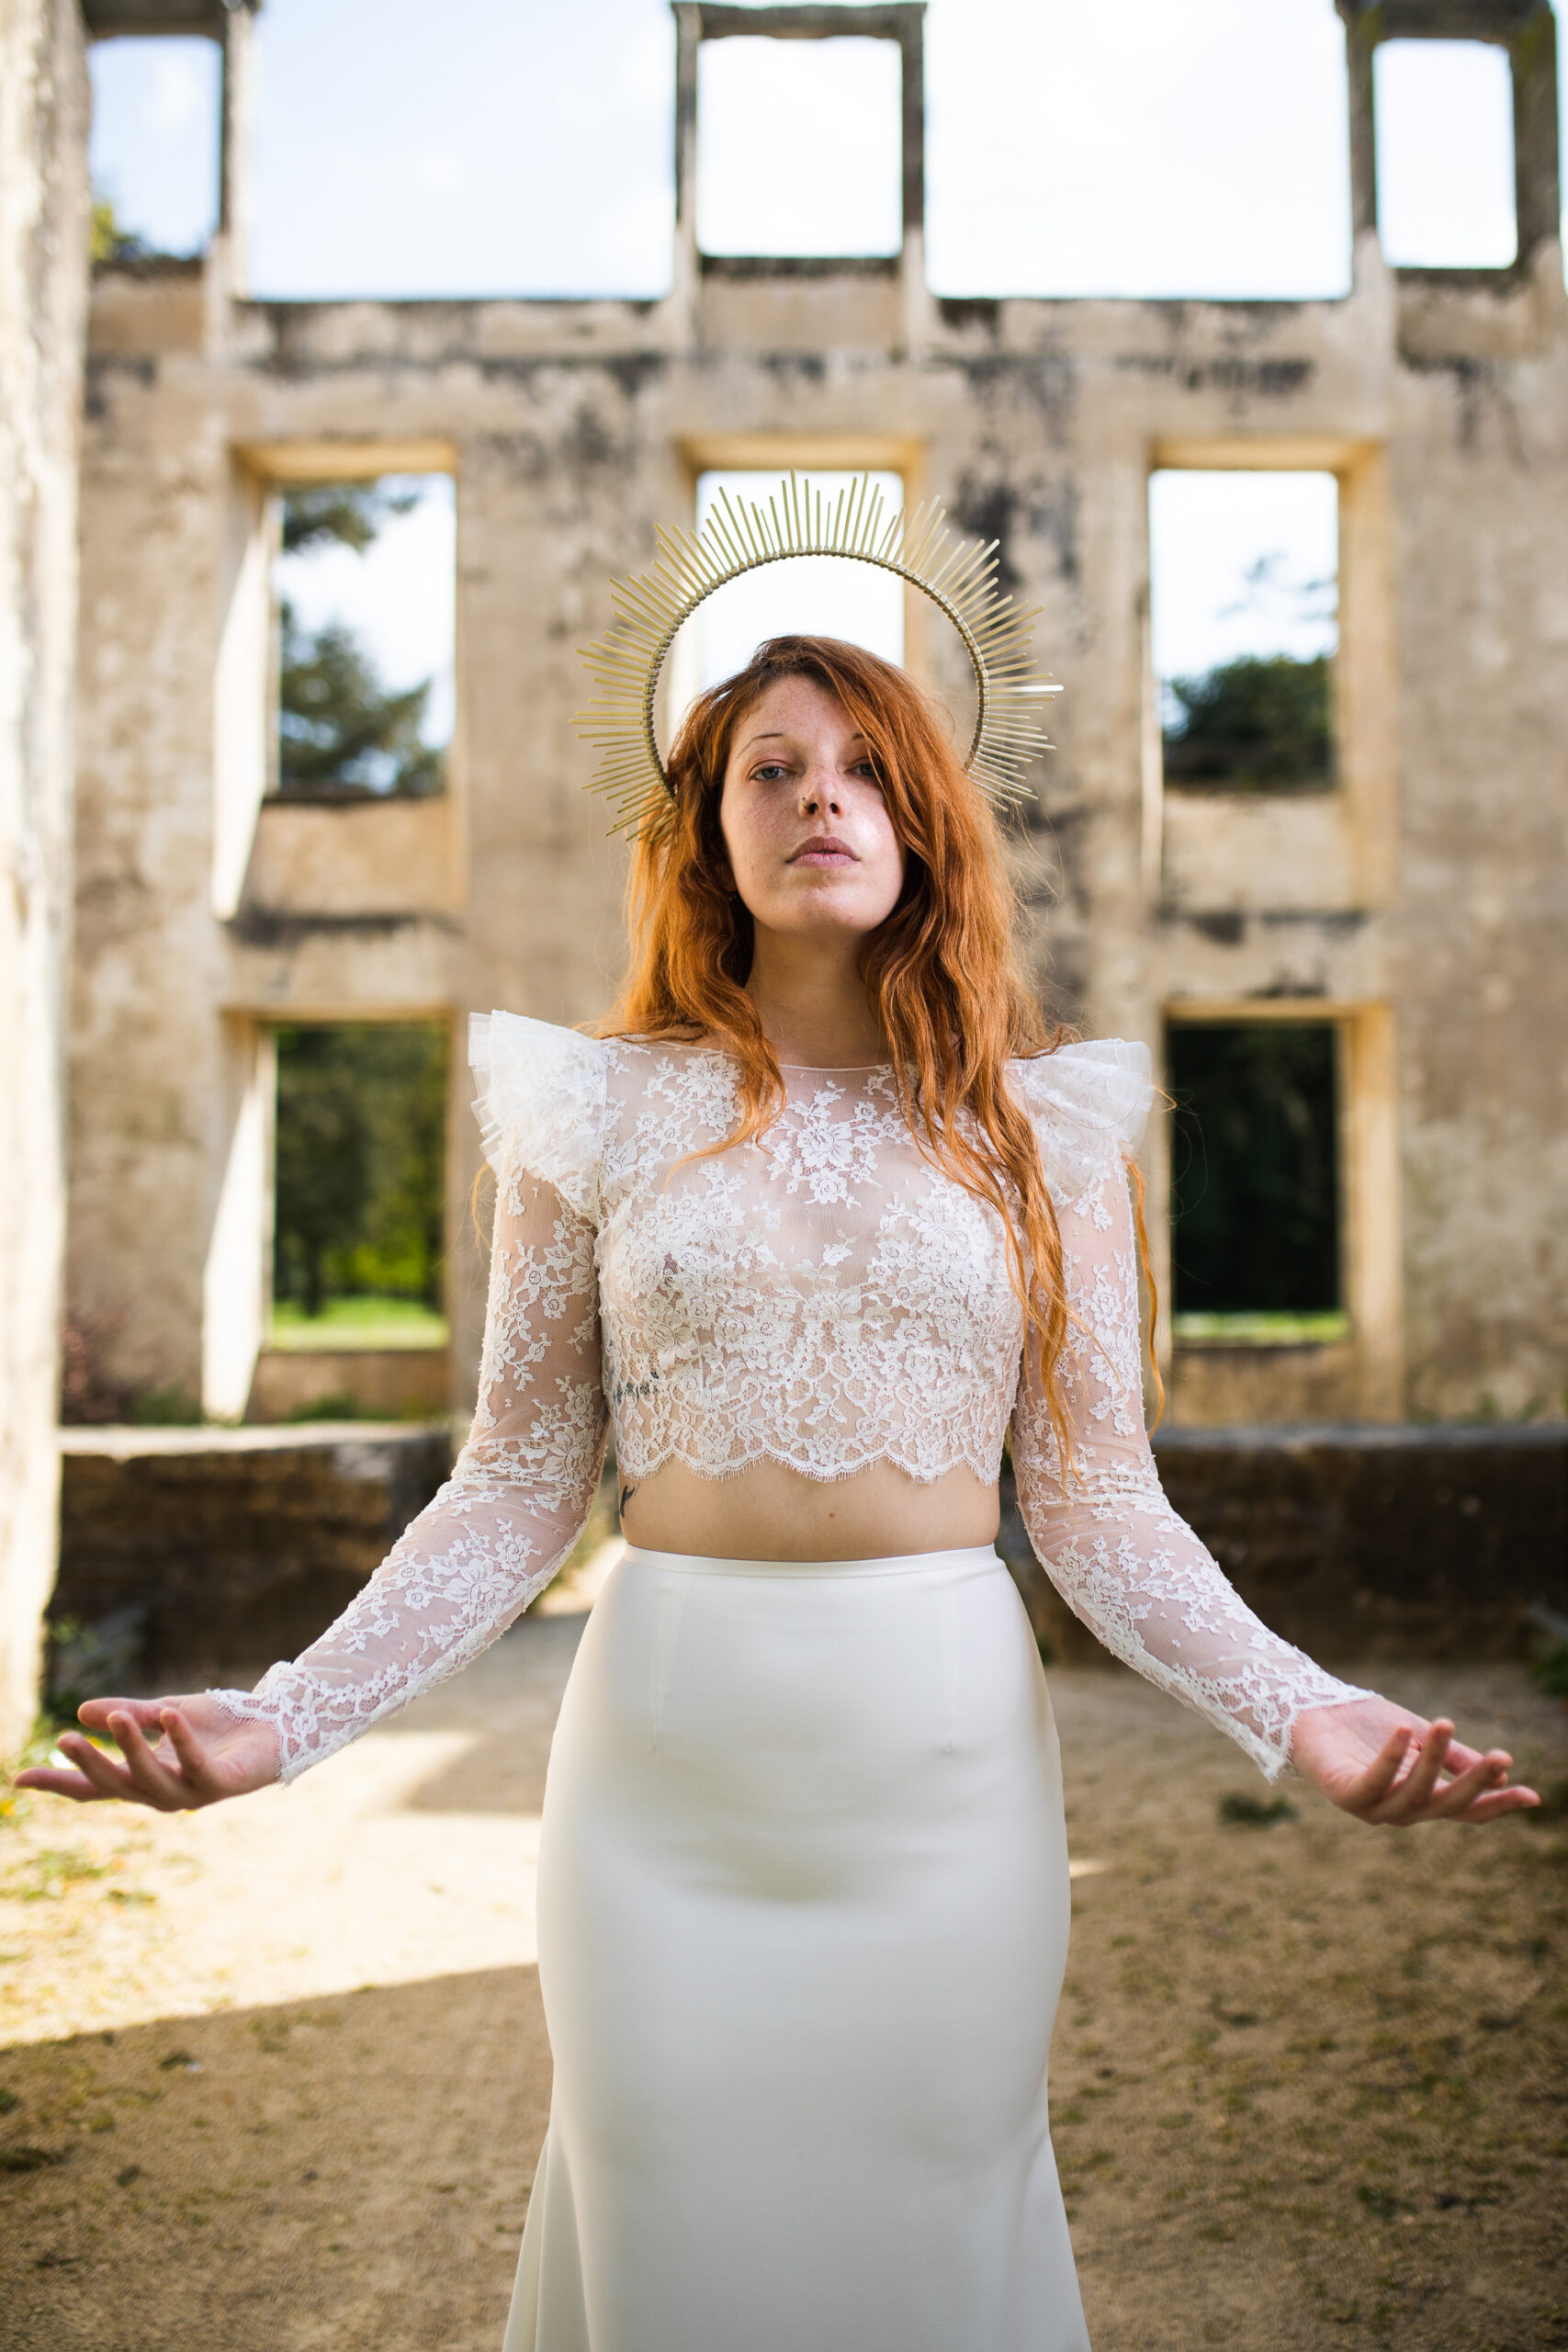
(824, 1298)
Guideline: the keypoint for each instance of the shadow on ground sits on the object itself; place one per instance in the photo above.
(342, 2173)
(1310, 2081)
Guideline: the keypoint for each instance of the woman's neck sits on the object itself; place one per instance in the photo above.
(811, 1000)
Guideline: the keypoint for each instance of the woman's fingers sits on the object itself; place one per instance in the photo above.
(153, 1778)
(96, 1713)
(175, 1755)
(195, 1767)
(1374, 1785)
(1477, 1790)
(1500, 1801)
(1487, 1776)
(1409, 1798)
(164, 1760)
(106, 1775)
(59, 1784)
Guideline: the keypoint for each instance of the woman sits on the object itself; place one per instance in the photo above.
(817, 1217)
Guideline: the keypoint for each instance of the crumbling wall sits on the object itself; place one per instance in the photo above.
(1422, 906)
(43, 247)
(202, 1549)
(1481, 522)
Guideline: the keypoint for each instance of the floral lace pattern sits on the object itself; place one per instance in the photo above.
(822, 1297)
(1103, 1529)
(495, 1534)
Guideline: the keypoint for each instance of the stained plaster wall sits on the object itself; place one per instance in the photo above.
(1427, 907)
(43, 288)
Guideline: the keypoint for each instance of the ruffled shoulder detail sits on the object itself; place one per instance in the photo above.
(1090, 1104)
(539, 1099)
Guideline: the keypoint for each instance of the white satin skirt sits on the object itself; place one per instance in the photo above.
(803, 1919)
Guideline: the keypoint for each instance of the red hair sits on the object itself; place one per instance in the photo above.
(942, 974)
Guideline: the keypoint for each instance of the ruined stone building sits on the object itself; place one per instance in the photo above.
(1419, 908)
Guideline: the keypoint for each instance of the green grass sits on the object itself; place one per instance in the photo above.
(358, 1323)
(1262, 1330)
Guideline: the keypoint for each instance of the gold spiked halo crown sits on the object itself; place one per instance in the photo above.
(742, 535)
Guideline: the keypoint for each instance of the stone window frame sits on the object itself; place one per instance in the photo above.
(1364, 791)
(246, 745)
(357, 849)
(237, 1274)
(1526, 32)
(1371, 1220)
(901, 21)
(776, 454)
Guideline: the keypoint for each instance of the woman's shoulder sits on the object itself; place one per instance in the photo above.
(539, 1098)
(1090, 1103)
(539, 1047)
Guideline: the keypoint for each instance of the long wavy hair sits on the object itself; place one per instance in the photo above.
(941, 974)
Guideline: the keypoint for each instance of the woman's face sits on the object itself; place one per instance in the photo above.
(811, 846)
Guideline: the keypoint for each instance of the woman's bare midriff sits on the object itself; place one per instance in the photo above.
(772, 1513)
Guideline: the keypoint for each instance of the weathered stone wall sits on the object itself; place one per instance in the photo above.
(1371, 1543)
(232, 1546)
(43, 273)
(1423, 903)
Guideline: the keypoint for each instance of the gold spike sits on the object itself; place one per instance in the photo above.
(742, 535)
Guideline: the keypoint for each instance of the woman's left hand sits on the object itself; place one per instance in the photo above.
(1386, 1765)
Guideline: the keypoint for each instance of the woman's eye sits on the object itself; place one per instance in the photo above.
(769, 772)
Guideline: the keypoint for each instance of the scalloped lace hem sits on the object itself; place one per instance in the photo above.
(719, 1475)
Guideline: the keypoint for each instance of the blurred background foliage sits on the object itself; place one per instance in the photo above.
(343, 732)
(1254, 1168)
(361, 1164)
(1261, 723)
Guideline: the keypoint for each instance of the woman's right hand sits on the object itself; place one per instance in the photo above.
(179, 1753)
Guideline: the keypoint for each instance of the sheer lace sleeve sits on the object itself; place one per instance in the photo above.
(524, 1482)
(1104, 1532)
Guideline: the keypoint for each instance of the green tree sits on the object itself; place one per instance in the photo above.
(360, 1161)
(108, 241)
(322, 1163)
(1262, 723)
(341, 513)
(1255, 1167)
(401, 1072)
(342, 735)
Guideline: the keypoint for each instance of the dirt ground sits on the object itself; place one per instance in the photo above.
(274, 2077)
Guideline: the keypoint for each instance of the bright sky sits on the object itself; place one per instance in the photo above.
(399, 597)
(806, 593)
(1444, 154)
(492, 146)
(489, 146)
(1241, 564)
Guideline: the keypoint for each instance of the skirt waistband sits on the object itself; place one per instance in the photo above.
(701, 1564)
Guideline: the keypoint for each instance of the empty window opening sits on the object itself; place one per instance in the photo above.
(1256, 1242)
(366, 606)
(799, 147)
(810, 595)
(1141, 150)
(1244, 570)
(153, 150)
(1445, 155)
(359, 1232)
(470, 150)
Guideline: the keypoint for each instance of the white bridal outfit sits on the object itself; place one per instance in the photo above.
(803, 1881)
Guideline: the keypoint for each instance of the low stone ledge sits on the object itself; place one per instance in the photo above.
(394, 1382)
(1365, 1542)
(234, 1544)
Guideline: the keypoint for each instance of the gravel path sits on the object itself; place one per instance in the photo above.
(275, 2075)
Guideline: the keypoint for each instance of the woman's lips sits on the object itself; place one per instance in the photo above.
(825, 850)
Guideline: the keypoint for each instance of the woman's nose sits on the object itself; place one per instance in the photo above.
(820, 795)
